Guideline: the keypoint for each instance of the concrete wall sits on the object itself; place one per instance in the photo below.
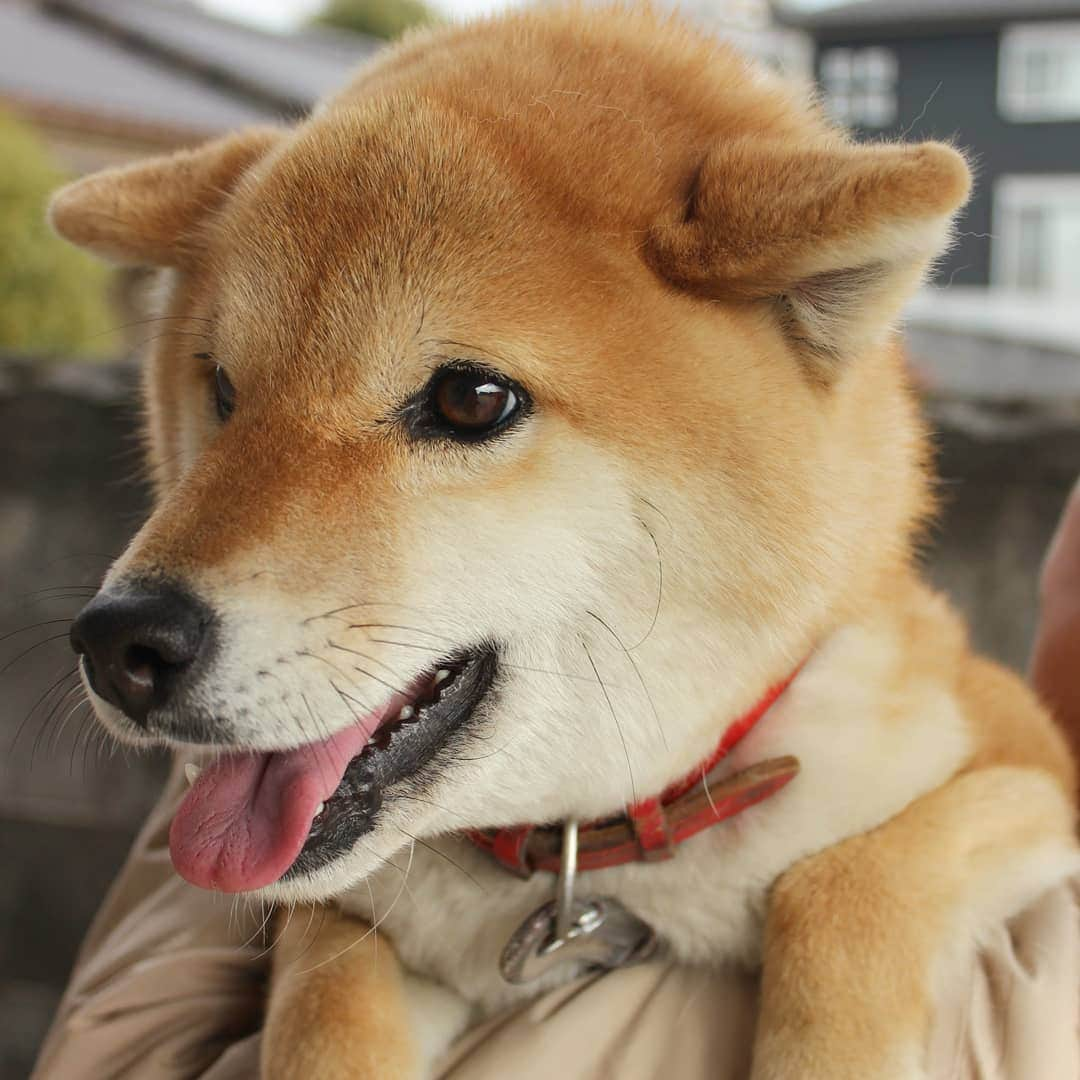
(68, 501)
(69, 498)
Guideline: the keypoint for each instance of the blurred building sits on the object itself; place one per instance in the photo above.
(109, 80)
(104, 82)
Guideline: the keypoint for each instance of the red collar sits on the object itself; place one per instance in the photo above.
(650, 830)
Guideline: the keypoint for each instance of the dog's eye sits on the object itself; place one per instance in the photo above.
(472, 403)
(224, 393)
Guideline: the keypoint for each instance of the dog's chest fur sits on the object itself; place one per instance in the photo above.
(865, 753)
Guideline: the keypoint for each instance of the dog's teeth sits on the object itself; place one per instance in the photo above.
(407, 713)
(191, 771)
(442, 675)
(320, 808)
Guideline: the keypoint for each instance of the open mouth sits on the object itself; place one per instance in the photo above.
(254, 817)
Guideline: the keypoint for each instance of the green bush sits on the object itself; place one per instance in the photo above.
(376, 18)
(53, 298)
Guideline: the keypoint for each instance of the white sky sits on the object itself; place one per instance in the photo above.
(280, 14)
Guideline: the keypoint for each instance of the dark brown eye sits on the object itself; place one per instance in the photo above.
(224, 394)
(471, 403)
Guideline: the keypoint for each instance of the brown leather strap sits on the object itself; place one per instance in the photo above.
(610, 843)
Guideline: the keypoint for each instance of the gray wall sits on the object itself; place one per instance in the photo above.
(69, 500)
(948, 90)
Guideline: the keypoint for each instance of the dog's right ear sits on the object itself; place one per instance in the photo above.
(834, 234)
(147, 214)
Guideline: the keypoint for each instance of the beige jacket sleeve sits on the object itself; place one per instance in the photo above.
(170, 980)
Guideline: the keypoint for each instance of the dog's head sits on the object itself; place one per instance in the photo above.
(516, 419)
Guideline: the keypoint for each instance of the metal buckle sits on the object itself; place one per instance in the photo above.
(585, 934)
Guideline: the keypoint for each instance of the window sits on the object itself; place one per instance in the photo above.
(1037, 234)
(860, 86)
(1030, 270)
(1039, 76)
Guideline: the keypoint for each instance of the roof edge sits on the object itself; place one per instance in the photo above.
(253, 89)
(833, 20)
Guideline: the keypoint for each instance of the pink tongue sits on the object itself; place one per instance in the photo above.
(245, 819)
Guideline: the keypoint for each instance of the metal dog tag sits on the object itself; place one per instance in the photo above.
(585, 935)
(602, 934)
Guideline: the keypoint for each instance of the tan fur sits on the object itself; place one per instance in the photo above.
(696, 277)
(338, 1006)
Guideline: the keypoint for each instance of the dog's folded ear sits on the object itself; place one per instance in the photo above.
(148, 213)
(836, 236)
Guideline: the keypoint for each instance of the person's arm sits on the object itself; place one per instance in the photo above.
(1055, 661)
(169, 982)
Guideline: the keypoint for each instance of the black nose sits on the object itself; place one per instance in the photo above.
(137, 642)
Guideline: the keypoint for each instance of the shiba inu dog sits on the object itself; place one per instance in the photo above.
(533, 447)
